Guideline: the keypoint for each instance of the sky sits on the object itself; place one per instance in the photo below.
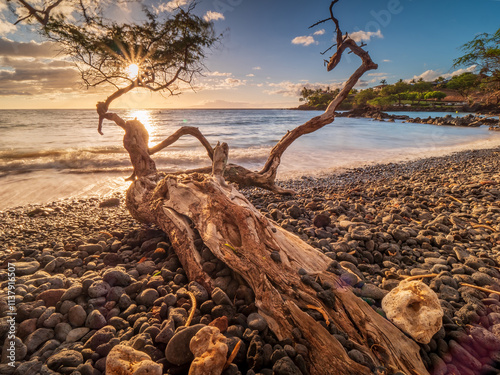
(267, 53)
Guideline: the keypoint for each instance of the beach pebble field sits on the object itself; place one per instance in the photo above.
(88, 279)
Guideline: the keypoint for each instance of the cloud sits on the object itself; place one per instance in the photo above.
(250, 75)
(6, 27)
(213, 16)
(319, 32)
(377, 74)
(218, 74)
(34, 77)
(28, 49)
(170, 6)
(287, 88)
(256, 68)
(304, 40)
(431, 75)
(365, 36)
(386, 60)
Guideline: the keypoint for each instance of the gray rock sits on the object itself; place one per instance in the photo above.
(146, 268)
(76, 334)
(34, 340)
(199, 292)
(117, 277)
(77, 316)
(53, 320)
(90, 248)
(147, 297)
(167, 331)
(177, 351)
(73, 292)
(98, 289)
(19, 352)
(220, 297)
(95, 320)
(256, 321)
(372, 291)
(102, 336)
(65, 358)
(26, 268)
(285, 366)
(62, 330)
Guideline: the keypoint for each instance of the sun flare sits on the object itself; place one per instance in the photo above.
(133, 71)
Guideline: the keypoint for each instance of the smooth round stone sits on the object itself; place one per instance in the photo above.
(77, 316)
(256, 321)
(26, 268)
(147, 297)
(177, 351)
(76, 334)
(95, 320)
(98, 289)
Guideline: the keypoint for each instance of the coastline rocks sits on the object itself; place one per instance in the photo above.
(415, 309)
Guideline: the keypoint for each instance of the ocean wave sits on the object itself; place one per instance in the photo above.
(116, 160)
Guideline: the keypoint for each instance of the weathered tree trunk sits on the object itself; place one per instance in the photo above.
(201, 203)
(183, 204)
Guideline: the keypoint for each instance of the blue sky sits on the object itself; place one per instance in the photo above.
(268, 53)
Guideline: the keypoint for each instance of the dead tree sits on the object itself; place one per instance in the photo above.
(201, 204)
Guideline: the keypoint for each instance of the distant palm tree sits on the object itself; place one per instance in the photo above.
(383, 82)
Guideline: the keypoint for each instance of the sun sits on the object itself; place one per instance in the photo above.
(132, 71)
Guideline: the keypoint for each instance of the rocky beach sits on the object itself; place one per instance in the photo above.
(89, 281)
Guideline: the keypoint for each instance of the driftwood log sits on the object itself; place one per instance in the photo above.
(201, 204)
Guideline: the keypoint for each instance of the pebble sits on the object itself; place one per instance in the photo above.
(177, 351)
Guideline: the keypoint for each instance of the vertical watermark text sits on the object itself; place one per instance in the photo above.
(11, 313)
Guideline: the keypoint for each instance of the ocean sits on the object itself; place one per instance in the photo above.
(47, 155)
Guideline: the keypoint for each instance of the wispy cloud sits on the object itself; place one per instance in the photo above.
(250, 75)
(219, 74)
(431, 75)
(365, 36)
(304, 40)
(386, 60)
(213, 16)
(30, 49)
(319, 32)
(256, 68)
(170, 5)
(379, 74)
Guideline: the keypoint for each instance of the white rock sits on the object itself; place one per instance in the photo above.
(210, 351)
(414, 308)
(124, 360)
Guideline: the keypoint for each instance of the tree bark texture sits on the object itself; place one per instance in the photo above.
(185, 206)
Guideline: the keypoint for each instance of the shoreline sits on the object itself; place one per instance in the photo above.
(109, 280)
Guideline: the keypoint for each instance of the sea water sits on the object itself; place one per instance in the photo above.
(47, 155)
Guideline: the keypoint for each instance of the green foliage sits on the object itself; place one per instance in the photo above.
(483, 51)
(438, 95)
(382, 101)
(166, 49)
(464, 83)
(364, 96)
(318, 98)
